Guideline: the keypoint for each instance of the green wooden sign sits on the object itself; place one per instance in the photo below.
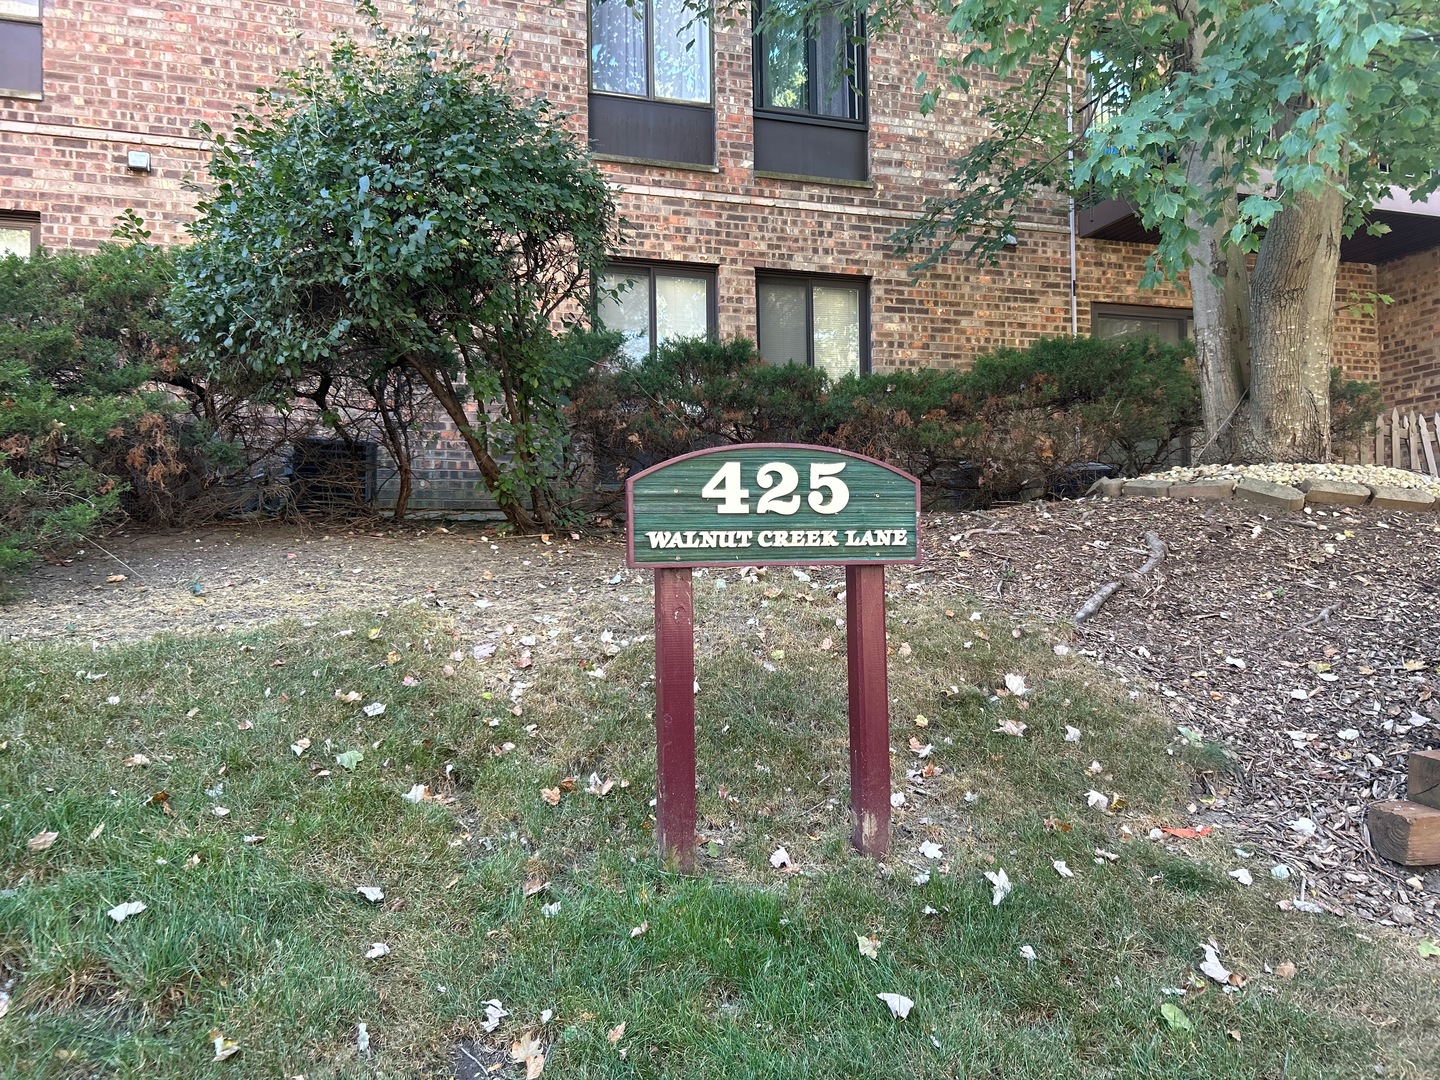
(764, 503)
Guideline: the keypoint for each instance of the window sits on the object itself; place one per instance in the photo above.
(810, 99)
(656, 304)
(650, 81)
(1169, 325)
(19, 234)
(20, 48)
(823, 322)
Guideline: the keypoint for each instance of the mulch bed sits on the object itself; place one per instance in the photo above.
(1308, 644)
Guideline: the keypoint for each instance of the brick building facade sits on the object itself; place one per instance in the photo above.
(736, 234)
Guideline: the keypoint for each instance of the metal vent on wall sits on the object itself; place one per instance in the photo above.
(331, 476)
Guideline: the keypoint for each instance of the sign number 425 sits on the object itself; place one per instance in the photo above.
(828, 493)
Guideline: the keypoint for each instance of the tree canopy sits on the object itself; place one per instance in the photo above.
(398, 205)
(1236, 128)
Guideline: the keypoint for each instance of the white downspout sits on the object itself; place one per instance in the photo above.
(1070, 158)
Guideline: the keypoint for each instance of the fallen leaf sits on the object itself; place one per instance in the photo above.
(899, 1004)
(638, 931)
(1002, 886)
(551, 795)
(299, 746)
(377, 950)
(1188, 833)
(115, 579)
(1429, 948)
(1027, 952)
(1242, 876)
(1097, 801)
(599, 788)
(224, 1047)
(615, 1034)
(244, 725)
(1062, 869)
(1286, 970)
(95, 832)
(362, 1038)
(780, 858)
(1010, 727)
(220, 811)
(349, 759)
(535, 885)
(1176, 1018)
(931, 850)
(121, 912)
(1211, 966)
(1016, 685)
(529, 1051)
(417, 794)
(371, 893)
(869, 946)
(135, 759)
(1072, 734)
(42, 841)
(350, 698)
(375, 708)
(253, 839)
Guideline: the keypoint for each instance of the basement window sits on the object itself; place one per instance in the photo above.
(19, 234)
(1170, 326)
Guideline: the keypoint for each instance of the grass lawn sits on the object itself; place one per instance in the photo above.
(561, 913)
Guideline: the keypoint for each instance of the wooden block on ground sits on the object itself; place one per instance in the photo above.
(1264, 493)
(1148, 489)
(1398, 498)
(1422, 785)
(1334, 493)
(1405, 832)
(1205, 489)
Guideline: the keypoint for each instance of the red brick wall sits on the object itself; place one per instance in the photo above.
(122, 75)
(1410, 331)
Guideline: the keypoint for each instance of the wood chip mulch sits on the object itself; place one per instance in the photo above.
(1307, 644)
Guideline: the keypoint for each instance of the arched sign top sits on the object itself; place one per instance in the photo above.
(764, 504)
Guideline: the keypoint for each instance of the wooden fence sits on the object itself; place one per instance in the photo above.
(1409, 441)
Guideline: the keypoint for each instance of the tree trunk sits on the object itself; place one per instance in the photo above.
(1292, 318)
(1218, 290)
(489, 469)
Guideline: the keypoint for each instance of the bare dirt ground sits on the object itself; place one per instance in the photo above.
(1308, 645)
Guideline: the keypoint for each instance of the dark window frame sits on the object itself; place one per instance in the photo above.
(851, 281)
(1183, 315)
(649, 94)
(649, 268)
(37, 21)
(858, 77)
(16, 219)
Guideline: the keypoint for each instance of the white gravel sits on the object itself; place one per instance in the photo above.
(1294, 474)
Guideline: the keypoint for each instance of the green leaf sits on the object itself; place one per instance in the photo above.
(1176, 1018)
(349, 759)
(1429, 948)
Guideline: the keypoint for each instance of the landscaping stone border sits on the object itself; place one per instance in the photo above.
(1271, 495)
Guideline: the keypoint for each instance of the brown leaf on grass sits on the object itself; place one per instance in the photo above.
(160, 798)
(615, 1034)
(1285, 970)
(637, 931)
(42, 841)
(568, 783)
(551, 795)
(134, 760)
(115, 579)
(528, 1050)
(868, 946)
(244, 725)
(535, 885)
(224, 1047)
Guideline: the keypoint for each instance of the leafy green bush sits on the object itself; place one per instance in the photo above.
(1354, 405)
(1019, 417)
(689, 395)
(82, 431)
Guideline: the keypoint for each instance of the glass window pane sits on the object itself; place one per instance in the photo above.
(15, 241)
(1111, 325)
(783, 78)
(682, 306)
(682, 52)
(837, 330)
(627, 312)
(782, 331)
(617, 47)
(835, 71)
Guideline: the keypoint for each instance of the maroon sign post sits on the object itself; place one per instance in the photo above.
(743, 506)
